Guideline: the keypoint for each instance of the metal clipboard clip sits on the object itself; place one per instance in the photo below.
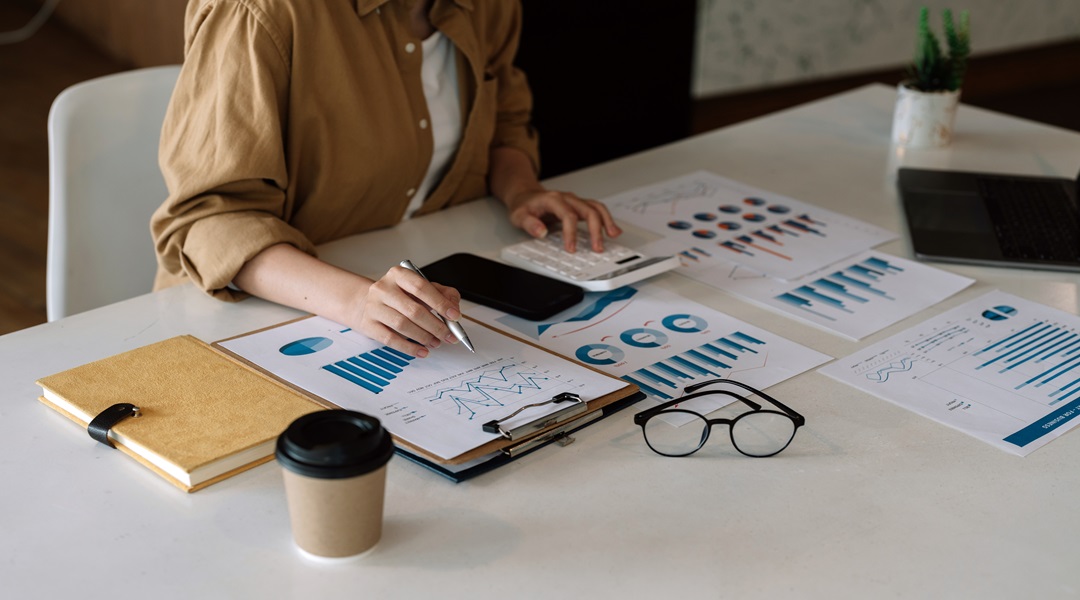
(575, 407)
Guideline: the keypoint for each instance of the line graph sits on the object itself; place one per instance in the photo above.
(509, 384)
(881, 375)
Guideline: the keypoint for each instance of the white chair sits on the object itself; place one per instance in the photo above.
(104, 183)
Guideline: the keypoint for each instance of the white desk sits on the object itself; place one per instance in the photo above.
(870, 500)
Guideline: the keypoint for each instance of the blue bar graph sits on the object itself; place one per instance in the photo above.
(372, 371)
(810, 293)
(1012, 347)
(840, 289)
(841, 292)
(1045, 353)
(666, 378)
(802, 304)
(878, 263)
(648, 389)
(719, 352)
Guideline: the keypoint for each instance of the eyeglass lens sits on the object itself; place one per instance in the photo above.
(762, 433)
(680, 432)
(676, 432)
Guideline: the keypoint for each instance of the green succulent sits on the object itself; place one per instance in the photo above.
(933, 70)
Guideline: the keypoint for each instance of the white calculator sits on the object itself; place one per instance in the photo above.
(615, 267)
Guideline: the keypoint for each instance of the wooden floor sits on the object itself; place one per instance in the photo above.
(33, 72)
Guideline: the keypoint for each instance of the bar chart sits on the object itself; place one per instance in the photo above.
(854, 297)
(1048, 352)
(662, 342)
(372, 371)
(840, 290)
(665, 379)
(1000, 368)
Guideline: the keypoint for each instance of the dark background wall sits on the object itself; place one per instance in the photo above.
(609, 77)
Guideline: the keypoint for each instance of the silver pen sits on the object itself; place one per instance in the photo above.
(455, 327)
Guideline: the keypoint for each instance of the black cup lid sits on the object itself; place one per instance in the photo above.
(334, 444)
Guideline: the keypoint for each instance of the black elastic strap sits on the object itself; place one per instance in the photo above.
(107, 419)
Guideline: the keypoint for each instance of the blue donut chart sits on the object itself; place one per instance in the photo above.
(684, 323)
(599, 354)
(642, 337)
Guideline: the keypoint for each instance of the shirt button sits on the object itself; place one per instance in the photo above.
(423, 123)
(410, 47)
(410, 192)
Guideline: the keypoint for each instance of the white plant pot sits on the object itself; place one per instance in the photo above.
(924, 119)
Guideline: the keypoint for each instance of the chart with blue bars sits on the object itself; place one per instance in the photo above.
(842, 291)
(1046, 354)
(372, 371)
(665, 379)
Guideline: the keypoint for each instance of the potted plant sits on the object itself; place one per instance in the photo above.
(928, 97)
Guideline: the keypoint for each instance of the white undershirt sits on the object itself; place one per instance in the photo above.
(438, 74)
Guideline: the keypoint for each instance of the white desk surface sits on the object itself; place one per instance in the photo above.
(870, 500)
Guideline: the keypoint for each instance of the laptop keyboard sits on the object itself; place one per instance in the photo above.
(1033, 220)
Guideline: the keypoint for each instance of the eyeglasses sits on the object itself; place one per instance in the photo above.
(758, 433)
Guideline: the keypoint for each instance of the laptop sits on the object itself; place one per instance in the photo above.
(992, 219)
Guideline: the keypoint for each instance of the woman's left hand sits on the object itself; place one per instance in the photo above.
(532, 210)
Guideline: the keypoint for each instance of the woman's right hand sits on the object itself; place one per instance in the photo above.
(396, 311)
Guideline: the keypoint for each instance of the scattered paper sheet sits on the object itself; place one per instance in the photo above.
(708, 220)
(661, 341)
(855, 297)
(999, 368)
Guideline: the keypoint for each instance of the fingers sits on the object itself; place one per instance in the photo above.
(533, 226)
(569, 210)
(397, 312)
(597, 218)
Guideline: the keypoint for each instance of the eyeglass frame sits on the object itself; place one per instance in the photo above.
(691, 391)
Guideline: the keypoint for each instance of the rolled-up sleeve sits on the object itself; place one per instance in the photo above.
(222, 150)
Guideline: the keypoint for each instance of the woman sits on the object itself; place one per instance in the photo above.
(296, 122)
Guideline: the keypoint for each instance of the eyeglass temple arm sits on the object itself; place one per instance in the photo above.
(799, 419)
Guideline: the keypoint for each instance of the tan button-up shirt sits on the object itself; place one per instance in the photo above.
(302, 121)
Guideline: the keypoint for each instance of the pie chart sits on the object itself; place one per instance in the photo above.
(999, 313)
(305, 346)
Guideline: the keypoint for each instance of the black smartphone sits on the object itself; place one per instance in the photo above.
(507, 288)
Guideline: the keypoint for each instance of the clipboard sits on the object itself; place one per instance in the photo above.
(519, 440)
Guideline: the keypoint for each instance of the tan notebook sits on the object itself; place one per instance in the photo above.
(204, 417)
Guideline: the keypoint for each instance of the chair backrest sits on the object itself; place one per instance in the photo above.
(104, 183)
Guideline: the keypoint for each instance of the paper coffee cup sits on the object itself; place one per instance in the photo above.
(334, 465)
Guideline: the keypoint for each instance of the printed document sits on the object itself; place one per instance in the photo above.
(438, 403)
(999, 368)
(662, 342)
(855, 297)
(709, 220)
